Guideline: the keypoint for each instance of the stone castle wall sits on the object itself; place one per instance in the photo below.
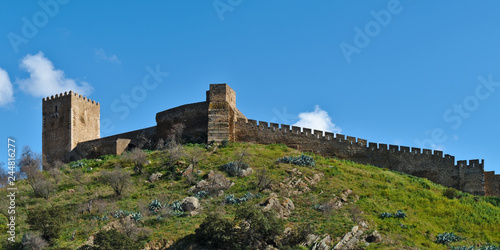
(71, 132)
(425, 163)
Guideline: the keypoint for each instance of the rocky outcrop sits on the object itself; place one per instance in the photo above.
(213, 184)
(283, 209)
(190, 205)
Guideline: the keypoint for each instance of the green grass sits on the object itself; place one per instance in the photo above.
(429, 212)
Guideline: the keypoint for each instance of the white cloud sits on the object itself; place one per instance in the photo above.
(100, 54)
(45, 80)
(318, 119)
(6, 89)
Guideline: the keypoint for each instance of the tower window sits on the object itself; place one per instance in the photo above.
(56, 108)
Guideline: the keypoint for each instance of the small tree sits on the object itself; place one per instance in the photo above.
(118, 179)
(56, 174)
(30, 165)
(43, 188)
(137, 157)
(4, 175)
(263, 180)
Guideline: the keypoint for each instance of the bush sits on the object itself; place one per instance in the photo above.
(258, 228)
(251, 229)
(112, 239)
(47, 220)
(217, 232)
(297, 235)
(118, 179)
(447, 238)
(137, 157)
(33, 241)
(451, 193)
(302, 160)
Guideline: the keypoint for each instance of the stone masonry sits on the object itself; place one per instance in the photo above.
(71, 132)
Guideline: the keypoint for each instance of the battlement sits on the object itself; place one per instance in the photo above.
(340, 138)
(472, 164)
(69, 94)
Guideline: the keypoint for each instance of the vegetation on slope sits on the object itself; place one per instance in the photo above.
(89, 197)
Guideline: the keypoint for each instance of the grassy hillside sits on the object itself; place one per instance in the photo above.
(430, 209)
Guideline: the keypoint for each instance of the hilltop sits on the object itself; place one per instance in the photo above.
(324, 197)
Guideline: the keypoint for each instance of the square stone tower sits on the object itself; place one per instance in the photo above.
(222, 113)
(68, 119)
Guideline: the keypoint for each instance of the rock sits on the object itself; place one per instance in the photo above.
(188, 171)
(155, 177)
(374, 237)
(283, 210)
(350, 239)
(158, 244)
(245, 172)
(323, 244)
(71, 190)
(180, 163)
(214, 183)
(316, 242)
(190, 204)
(287, 206)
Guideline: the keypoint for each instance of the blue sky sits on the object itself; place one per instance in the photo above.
(415, 73)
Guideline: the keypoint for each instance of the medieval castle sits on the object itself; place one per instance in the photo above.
(71, 131)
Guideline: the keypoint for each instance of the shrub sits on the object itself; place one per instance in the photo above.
(263, 180)
(297, 235)
(447, 238)
(251, 229)
(33, 241)
(259, 228)
(112, 239)
(118, 179)
(302, 160)
(217, 232)
(451, 193)
(43, 188)
(137, 157)
(47, 220)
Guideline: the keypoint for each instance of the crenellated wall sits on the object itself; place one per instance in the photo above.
(71, 132)
(426, 163)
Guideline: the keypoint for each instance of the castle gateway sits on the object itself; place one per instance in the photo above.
(71, 131)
